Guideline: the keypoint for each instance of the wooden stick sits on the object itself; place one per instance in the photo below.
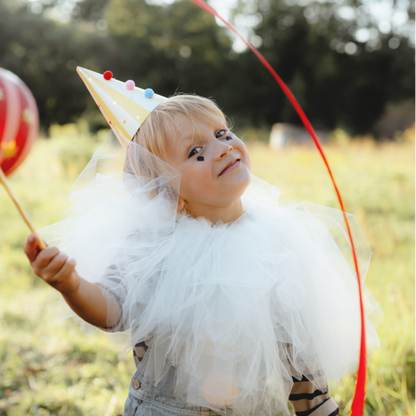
(3, 180)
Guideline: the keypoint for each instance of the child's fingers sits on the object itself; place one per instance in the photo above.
(37, 243)
(30, 247)
(44, 258)
(53, 267)
(63, 273)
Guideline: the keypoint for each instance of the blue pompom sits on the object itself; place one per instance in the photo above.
(149, 93)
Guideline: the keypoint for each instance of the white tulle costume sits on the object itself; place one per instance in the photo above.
(247, 304)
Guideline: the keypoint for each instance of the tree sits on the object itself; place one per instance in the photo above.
(340, 80)
(44, 54)
(337, 80)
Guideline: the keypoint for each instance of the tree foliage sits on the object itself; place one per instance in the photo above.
(179, 47)
(335, 89)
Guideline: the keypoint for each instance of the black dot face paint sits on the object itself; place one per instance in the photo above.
(229, 138)
(200, 158)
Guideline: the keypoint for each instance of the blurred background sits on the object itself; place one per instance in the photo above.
(349, 63)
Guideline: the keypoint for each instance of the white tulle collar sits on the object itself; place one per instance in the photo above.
(183, 214)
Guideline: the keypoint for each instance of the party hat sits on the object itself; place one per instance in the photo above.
(124, 106)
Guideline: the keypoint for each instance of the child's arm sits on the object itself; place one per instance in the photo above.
(84, 298)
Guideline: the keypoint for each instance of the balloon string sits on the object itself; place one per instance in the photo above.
(357, 406)
(22, 212)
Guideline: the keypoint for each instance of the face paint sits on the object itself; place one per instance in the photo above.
(200, 158)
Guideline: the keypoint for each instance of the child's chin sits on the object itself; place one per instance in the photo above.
(236, 192)
(241, 180)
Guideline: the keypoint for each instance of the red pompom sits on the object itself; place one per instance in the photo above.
(108, 75)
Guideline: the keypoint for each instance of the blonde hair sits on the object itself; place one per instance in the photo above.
(160, 127)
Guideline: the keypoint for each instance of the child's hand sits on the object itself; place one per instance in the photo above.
(54, 267)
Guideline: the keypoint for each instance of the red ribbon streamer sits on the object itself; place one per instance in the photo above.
(357, 406)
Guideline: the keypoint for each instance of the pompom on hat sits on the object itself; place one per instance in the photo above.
(124, 108)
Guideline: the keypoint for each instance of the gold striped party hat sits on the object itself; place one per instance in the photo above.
(124, 106)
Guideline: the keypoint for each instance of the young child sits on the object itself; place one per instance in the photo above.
(234, 302)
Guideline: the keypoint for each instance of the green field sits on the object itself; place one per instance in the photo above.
(50, 368)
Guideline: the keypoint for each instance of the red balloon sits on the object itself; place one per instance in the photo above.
(19, 121)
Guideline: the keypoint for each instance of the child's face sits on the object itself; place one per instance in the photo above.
(202, 180)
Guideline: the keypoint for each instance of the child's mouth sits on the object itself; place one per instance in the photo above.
(228, 168)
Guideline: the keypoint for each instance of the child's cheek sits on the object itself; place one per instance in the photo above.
(248, 162)
(197, 179)
(246, 156)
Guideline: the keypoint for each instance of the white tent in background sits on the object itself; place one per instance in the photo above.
(283, 134)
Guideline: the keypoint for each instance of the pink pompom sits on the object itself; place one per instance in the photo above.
(130, 84)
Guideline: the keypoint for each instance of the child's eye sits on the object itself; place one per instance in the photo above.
(222, 132)
(191, 154)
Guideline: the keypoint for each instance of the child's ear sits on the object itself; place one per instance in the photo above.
(181, 203)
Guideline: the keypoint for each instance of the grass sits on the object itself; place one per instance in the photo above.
(53, 369)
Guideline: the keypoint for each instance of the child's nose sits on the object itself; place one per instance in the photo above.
(228, 148)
